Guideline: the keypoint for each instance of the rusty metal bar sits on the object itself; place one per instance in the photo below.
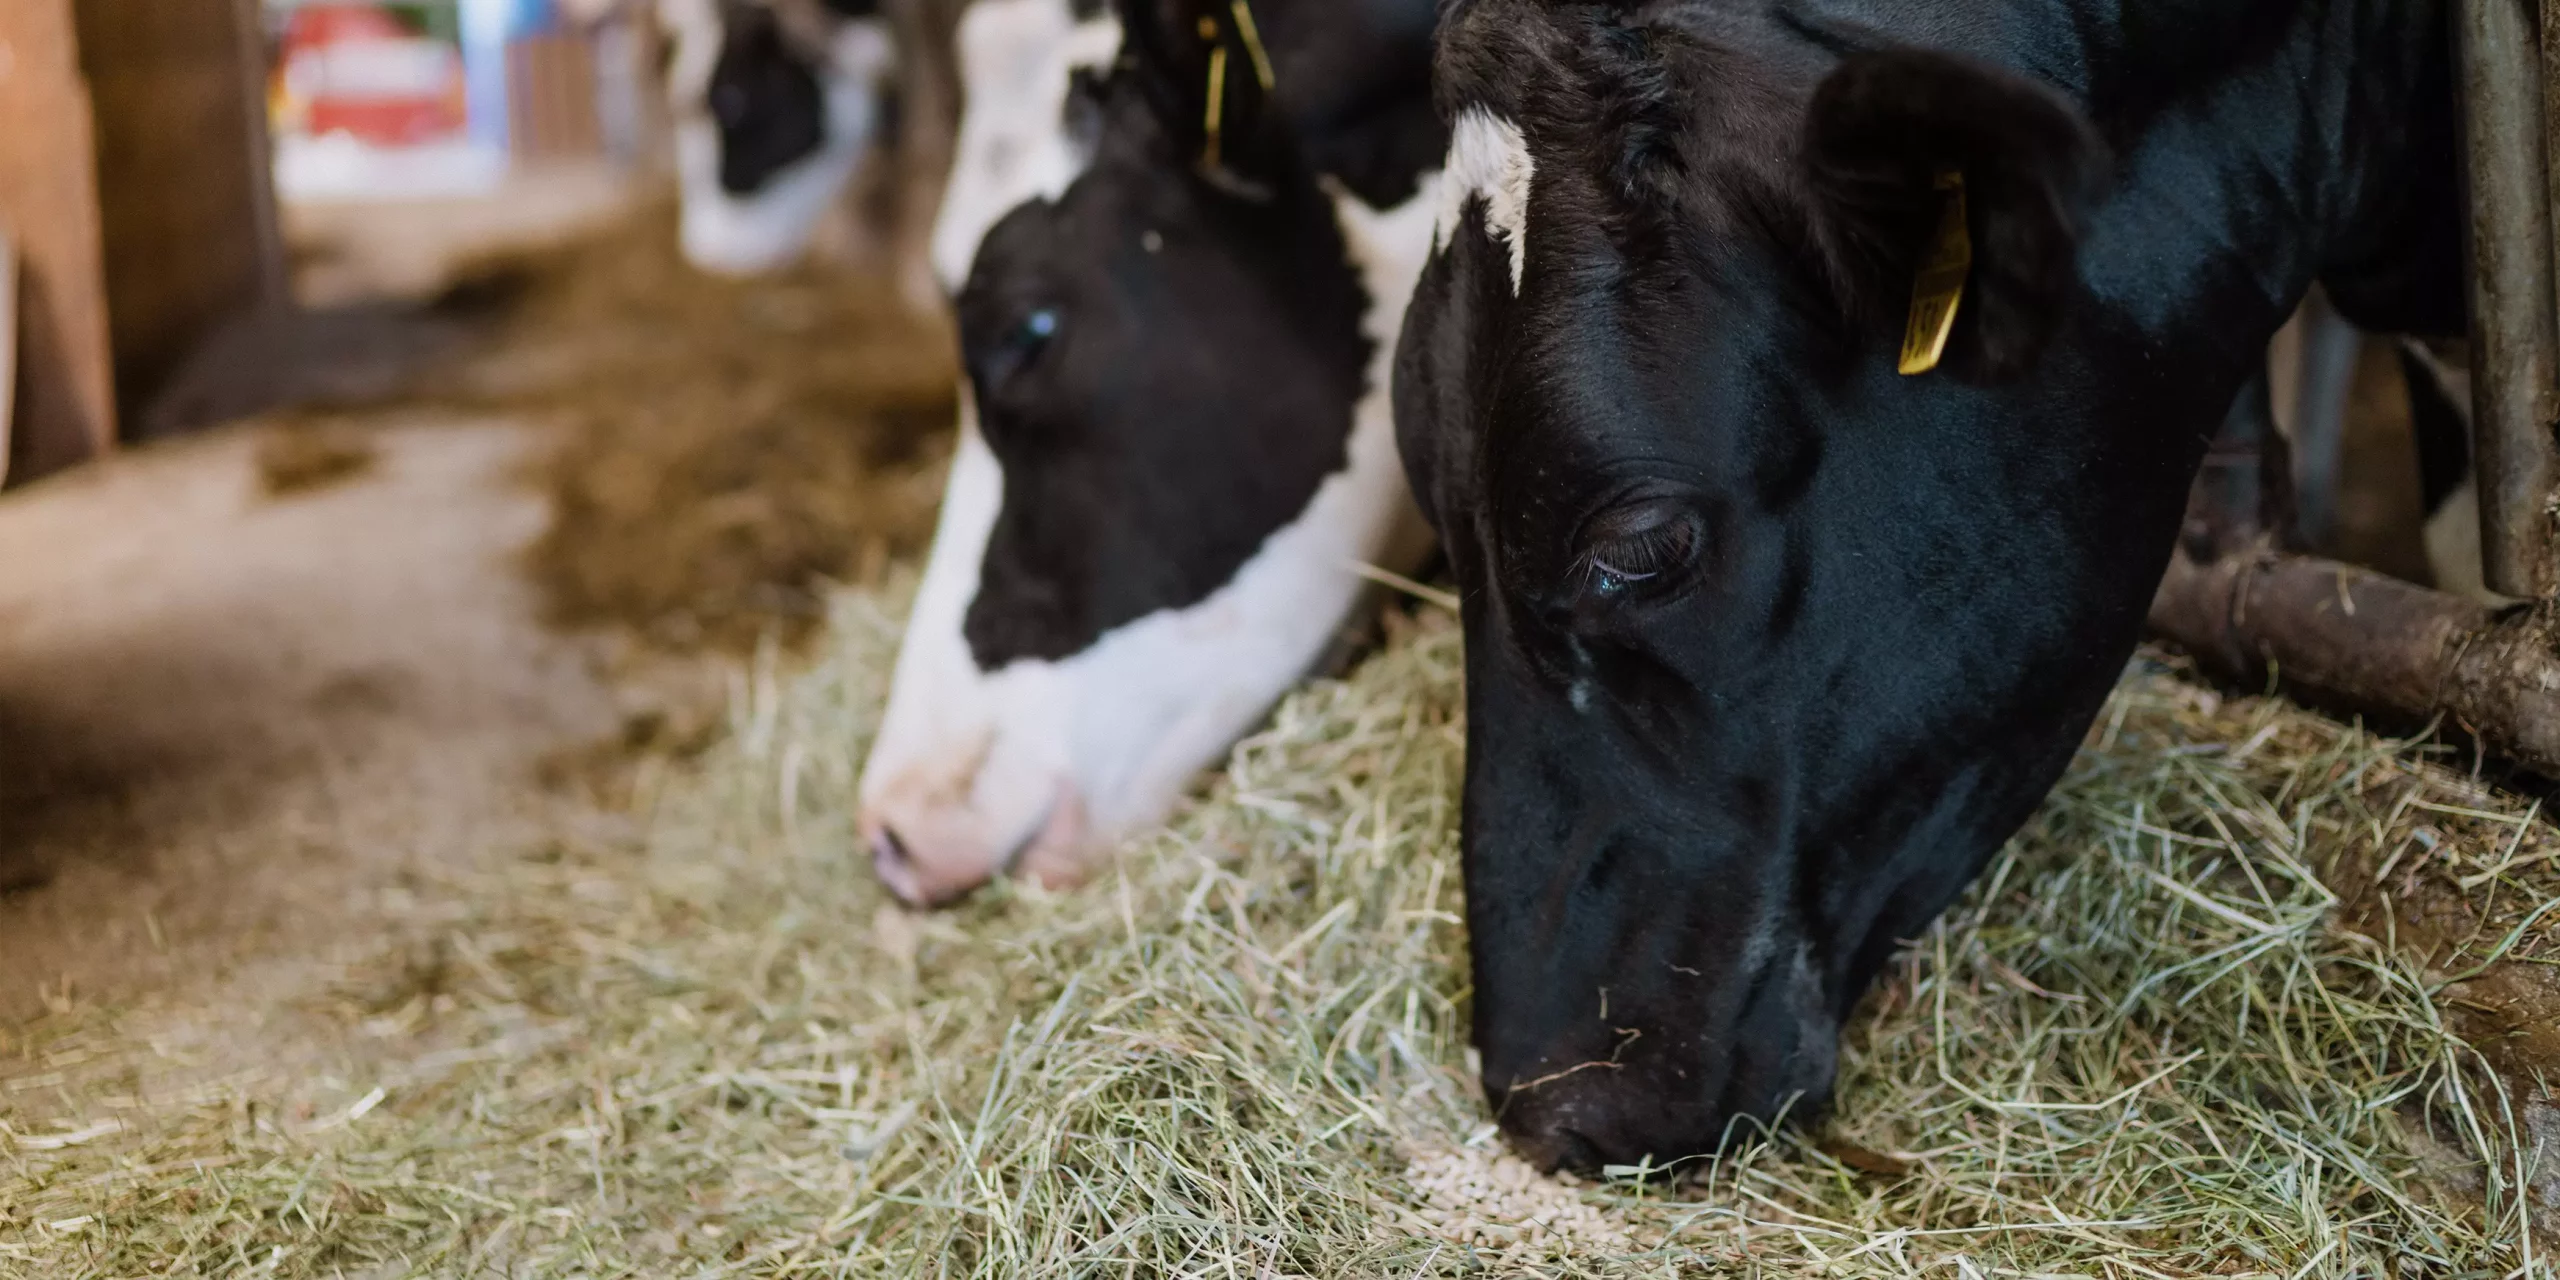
(2515, 343)
(2375, 643)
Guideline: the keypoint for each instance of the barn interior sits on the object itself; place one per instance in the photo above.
(440, 630)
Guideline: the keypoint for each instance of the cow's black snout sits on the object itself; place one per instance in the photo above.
(1694, 1092)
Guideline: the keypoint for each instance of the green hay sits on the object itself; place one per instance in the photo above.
(709, 1048)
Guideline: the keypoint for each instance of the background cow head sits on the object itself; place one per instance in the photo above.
(776, 103)
(1177, 447)
(1769, 647)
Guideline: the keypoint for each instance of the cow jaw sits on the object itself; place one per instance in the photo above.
(1016, 60)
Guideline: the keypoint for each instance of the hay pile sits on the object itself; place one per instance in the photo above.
(721, 450)
(707, 1046)
(728, 448)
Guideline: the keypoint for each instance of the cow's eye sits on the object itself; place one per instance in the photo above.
(1020, 343)
(1636, 546)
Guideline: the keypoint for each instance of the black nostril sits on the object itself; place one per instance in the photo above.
(887, 848)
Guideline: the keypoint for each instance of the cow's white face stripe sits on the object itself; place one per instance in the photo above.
(965, 758)
(768, 229)
(1488, 157)
(1016, 59)
(969, 763)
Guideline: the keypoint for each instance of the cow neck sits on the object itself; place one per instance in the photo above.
(1354, 82)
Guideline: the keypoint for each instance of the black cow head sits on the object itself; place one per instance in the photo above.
(1769, 646)
(1181, 448)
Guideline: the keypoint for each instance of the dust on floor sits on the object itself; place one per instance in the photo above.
(720, 450)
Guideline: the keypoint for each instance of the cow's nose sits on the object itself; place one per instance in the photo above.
(924, 875)
(1587, 1124)
(932, 852)
(1682, 1096)
(891, 862)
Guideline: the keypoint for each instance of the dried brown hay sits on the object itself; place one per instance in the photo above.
(724, 448)
(301, 455)
(728, 447)
(2141, 1046)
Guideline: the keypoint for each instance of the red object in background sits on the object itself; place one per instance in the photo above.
(354, 69)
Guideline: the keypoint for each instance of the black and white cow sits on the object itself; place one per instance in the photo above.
(1769, 647)
(1177, 449)
(776, 104)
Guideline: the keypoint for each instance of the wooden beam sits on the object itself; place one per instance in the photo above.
(2345, 635)
(65, 403)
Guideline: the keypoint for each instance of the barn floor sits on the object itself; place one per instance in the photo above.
(233, 723)
(361, 921)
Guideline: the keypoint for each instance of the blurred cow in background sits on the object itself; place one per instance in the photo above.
(776, 105)
(811, 125)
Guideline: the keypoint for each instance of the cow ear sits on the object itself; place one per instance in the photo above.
(1884, 129)
(1209, 75)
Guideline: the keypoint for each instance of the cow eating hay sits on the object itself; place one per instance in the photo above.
(714, 1046)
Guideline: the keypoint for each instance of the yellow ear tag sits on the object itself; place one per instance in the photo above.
(1212, 122)
(1939, 287)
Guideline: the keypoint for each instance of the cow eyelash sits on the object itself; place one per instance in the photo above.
(1619, 564)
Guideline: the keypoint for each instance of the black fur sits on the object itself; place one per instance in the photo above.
(1166, 361)
(1768, 647)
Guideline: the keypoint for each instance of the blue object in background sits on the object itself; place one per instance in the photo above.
(488, 26)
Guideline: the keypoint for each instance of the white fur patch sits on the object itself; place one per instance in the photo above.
(969, 763)
(1016, 57)
(1488, 157)
(767, 229)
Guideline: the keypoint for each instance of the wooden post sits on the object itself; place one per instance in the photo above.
(184, 189)
(65, 409)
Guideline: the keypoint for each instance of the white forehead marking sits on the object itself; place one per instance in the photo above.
(1489, 158)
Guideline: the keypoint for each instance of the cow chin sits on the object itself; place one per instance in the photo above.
(765, 231)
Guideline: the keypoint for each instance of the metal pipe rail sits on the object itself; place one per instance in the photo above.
(2515, 312)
